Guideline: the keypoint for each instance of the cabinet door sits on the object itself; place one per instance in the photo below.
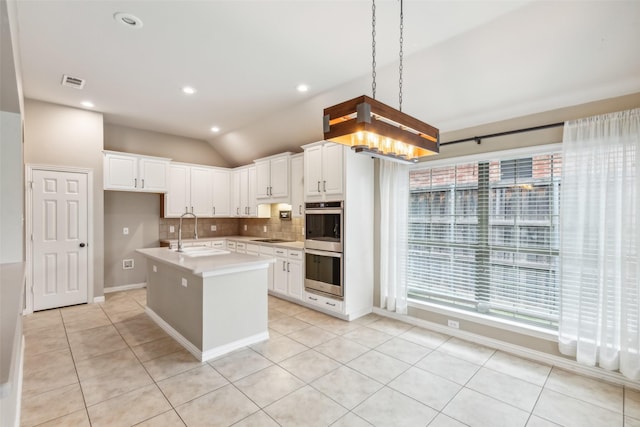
(221, 196)
(252, 201)
(279, 177)
(236, 202)
(201, 191)
(153, 175)
(120, 172)
(296, 279)
(177, 201)
(297, 187)
(263, 179)
(313, 170)
(332, 169)
(280, 276)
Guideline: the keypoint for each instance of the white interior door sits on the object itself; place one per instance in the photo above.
(60, 232)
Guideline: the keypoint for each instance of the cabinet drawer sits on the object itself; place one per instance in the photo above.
(241, 246)
(217, 244)
(280, 252)
(295, 254)
(324, 302)
(231, 245)
(253, 248)
(266, 250)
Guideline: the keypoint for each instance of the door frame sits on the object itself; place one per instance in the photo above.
(29, 168)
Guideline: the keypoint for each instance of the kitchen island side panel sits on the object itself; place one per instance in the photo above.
(235, 307)
(179, 306)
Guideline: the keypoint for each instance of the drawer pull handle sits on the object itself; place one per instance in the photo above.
(313, 299)
(332, 305)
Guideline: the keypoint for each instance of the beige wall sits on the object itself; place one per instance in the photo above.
(11, 188)
(548, 136)
(177, 148)
(64, 136)
(140, 213)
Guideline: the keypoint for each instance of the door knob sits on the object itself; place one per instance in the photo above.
(82, 245)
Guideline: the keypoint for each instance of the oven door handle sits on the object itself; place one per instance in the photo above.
(323, 211)
(323, 253)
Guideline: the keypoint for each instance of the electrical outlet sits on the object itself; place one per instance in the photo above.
(125, 230)
(264, 228)
(214, 228)
(303, 231)
(245, 227)
(155, 268)
(172, 229)
(184, 282)
(127, 264)
(453, 324)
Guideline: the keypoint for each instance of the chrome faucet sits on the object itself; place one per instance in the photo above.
(195, 229)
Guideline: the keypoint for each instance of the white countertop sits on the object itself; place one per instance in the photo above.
(206, 266)
(248, 239)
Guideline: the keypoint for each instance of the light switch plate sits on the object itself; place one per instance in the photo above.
(184, 282)
(245, 227)
(155, 268)
(125, 230)
(264, 228)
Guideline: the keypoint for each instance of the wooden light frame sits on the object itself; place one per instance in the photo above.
(371, 127)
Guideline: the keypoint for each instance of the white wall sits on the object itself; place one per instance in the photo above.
(64, 136)
(11, 178)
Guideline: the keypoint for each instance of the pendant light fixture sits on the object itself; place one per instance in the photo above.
(370, 127)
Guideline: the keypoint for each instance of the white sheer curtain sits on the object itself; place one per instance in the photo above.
(600, 237)
(394, 204)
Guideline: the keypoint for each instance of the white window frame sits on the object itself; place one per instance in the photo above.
(479, 318)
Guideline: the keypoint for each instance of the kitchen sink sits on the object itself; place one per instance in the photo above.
(272, 240)
(197, 251)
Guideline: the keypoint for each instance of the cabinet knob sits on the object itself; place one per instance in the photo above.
(82, 245)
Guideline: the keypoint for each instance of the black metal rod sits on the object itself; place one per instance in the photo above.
(478, 139)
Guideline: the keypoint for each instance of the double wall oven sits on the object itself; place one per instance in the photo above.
(323, 248)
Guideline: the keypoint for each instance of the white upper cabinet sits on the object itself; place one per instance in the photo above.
(133, 172)
(201, 190)
(221, 195)
(201, 201)
(324, 171)
(178, 198)
(297, 186)
(244, 201)
(272, 179)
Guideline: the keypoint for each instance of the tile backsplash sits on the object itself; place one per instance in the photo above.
(276, 228)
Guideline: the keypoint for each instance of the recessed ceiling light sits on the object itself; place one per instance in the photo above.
(302, 88)
(128, 20)
(215, 129)
(188, 90)
(87, 104)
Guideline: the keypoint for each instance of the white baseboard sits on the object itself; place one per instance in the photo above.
(209, 354)
(517, 350)
(236, 345)
(98, 299)
(125, 287)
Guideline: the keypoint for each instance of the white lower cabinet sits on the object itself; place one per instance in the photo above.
(323, 302)
(267, 252)
(288, 273)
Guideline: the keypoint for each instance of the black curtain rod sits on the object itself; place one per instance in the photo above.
(478, 139)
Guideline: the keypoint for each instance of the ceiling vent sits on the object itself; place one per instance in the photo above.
(73, 82)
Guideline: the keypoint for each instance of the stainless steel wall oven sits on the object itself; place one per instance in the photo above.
(323, 248)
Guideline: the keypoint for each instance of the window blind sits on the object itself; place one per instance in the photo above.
(484, 236)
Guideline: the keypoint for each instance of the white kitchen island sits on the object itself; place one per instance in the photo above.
(209, 300)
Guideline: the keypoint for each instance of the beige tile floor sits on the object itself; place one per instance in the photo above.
(109, 365)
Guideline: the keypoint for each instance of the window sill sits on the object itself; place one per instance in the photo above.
(499, 323)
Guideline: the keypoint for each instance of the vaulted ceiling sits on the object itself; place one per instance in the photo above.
(466, 62)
